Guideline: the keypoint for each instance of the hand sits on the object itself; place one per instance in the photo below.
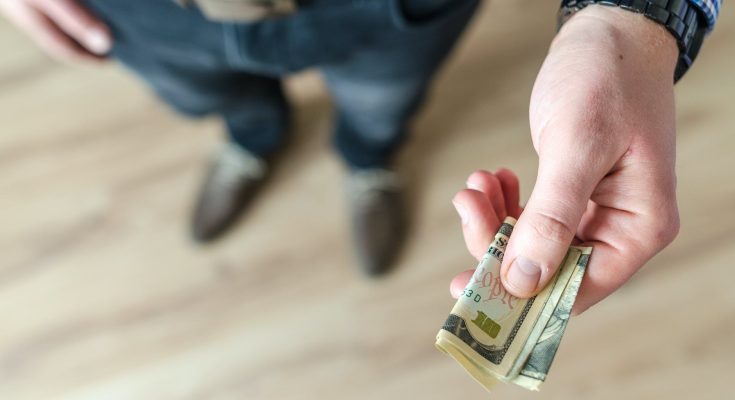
(63, 28)
(603, 124)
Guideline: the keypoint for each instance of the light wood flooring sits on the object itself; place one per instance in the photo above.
(104, 296)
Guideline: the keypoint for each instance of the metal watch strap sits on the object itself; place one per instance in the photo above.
(681, 19)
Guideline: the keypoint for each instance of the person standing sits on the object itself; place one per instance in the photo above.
(602, 118)
(228, 57)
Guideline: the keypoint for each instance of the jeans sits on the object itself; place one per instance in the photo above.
(376, 59)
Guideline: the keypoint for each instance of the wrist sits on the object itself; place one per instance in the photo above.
(608, 33)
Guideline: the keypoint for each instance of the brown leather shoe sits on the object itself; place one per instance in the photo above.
(378, 219)
(234, 177)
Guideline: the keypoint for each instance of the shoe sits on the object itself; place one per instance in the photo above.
(234, 177)
(378, 218)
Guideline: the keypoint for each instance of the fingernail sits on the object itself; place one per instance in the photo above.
(98, 41)
(463, 213)
(524, 275)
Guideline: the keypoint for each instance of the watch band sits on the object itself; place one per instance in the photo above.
(681, 19)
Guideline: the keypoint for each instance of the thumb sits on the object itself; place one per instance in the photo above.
(546, 227)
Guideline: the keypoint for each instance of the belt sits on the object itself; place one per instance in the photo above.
(242, 10)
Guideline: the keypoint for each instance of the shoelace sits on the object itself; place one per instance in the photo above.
(234, 165)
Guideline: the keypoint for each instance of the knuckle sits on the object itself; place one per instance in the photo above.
(552, 227)
(666, 227)
(670, 229)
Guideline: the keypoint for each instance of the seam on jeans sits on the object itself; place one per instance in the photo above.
(229, 37)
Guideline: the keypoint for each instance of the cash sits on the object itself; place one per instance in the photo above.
(495, 336)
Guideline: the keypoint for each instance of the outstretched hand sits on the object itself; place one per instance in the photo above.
(603, 124)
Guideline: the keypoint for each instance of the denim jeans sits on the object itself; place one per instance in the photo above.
(377, 62)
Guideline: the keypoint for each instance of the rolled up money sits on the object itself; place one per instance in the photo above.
(496, 336)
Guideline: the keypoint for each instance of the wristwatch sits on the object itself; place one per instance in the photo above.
(680, 18)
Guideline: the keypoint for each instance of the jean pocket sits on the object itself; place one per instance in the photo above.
(448, 13)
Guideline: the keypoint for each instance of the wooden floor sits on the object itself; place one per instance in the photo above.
(104, 296)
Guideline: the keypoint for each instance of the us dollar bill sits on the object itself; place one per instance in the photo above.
(496, 336)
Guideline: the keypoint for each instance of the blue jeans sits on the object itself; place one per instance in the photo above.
(377, 62)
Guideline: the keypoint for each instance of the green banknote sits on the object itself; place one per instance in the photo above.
(495, 336)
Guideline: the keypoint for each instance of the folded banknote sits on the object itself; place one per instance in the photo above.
(496, 336)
